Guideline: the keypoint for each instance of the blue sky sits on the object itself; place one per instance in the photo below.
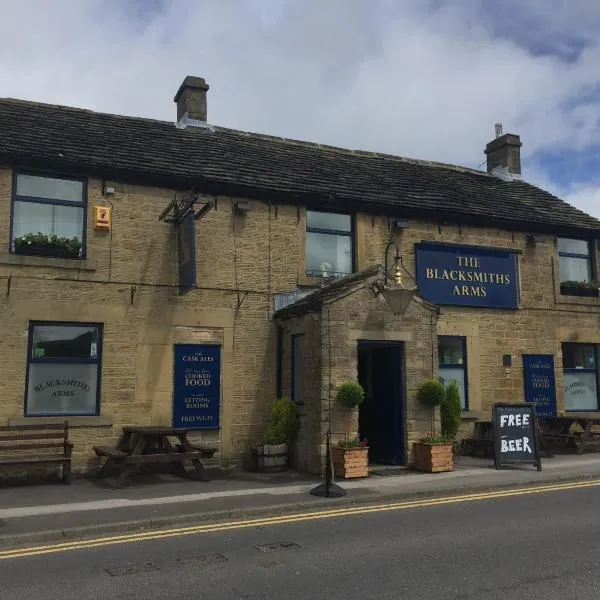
(418, 78)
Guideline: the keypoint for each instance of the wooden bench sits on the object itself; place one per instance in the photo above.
(36, 445)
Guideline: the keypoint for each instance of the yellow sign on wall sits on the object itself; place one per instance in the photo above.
(102, 217)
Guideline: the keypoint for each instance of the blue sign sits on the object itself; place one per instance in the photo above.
(453, 274)
(186, 246)
(197, 386)
(540, 387)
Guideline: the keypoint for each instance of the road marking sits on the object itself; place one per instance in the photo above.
(292, 518)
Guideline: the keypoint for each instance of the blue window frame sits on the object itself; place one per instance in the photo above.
(297, 382)
(580, 374)
(329, 244)
(452, 353)
(575, 261)
(63, 369)
(54, 206)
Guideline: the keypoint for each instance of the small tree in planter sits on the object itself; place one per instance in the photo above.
(451, 411)
(278, 438)
(433, 453)
(351, 457)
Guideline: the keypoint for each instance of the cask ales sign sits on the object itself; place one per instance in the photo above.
(540, 386)
(515, 435)
(454, 274)
(197, 386)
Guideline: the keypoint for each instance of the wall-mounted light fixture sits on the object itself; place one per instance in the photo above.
(242, 207)
(534, 239)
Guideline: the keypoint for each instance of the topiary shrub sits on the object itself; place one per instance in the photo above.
(431, 393)
(451, 411)
(283, 425)
(351, 394)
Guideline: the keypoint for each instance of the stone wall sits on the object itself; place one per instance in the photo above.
(128, 282)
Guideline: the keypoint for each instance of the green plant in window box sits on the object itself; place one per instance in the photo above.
(580, 288)
(44, 244)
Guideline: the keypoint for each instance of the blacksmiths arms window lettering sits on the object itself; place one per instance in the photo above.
(575, 265)
(63, 369)
(329, 244)
(48, 216)
(452, 352)
(580, 373)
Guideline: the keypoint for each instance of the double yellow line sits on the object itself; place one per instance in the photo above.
(292, 518)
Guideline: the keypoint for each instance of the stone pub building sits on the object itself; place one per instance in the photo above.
(138, 254)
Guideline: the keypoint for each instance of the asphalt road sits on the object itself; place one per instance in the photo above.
(544, 545)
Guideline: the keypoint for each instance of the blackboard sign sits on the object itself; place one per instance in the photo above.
(515, 435)
(540, 387)
(197, 386)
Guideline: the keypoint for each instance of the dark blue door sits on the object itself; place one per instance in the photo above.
(381, 418)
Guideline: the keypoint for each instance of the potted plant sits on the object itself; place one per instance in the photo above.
(351, 458)
(272, 455)
(580, 288)
(451, 412)
(43, 244)
(433, 453)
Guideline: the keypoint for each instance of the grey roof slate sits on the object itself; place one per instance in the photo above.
(224, 161)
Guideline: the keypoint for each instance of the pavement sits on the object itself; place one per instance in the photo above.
(49, 511)
(540, 546)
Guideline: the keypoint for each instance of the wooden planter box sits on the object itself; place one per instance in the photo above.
(349, 463)
(434, 458)
(270, 457)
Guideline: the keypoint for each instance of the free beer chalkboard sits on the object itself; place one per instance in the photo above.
(515, 435)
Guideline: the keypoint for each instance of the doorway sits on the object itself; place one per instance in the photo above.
(381, 416)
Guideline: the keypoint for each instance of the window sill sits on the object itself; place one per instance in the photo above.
(73, 421)
(582, 300)
(470, 415)
(583, 414)
(40, 261)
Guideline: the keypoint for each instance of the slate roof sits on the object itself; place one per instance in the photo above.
(224, 161)
(335, 290)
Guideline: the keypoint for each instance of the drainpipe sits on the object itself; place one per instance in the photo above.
(279, 361)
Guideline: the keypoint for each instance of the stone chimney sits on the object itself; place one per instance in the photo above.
(504, 151)
(191, 98)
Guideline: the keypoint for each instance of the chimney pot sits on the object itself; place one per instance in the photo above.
(191, 98)
(504, 151)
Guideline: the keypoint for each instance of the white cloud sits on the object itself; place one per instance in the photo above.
(406, 77)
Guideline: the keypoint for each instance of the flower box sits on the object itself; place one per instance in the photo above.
(349, 463)
(47, 250)
(579, 290)
(434, 458)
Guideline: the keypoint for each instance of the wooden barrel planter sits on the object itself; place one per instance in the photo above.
(270, 457)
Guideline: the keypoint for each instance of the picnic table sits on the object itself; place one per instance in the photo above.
(143, 446)
(566, 432)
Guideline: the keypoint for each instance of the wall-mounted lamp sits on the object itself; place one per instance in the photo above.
(242, 207)
(533, 239)
(399, 224)
(109, 190)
